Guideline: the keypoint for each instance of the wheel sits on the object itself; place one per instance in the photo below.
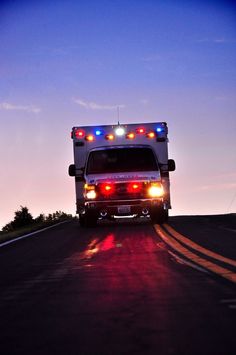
(90, 219)
(166, 215)
(159, 215)
(82, 220)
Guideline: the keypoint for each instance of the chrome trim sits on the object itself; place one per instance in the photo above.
(114, 202)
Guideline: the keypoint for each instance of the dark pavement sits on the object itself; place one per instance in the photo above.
(113, 289)
(215, 232)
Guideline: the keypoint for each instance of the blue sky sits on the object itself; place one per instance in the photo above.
(65, 63)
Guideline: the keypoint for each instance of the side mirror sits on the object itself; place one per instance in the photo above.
(80, 174)
(71, 170)
(171, 165)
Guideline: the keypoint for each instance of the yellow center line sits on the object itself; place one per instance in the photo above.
(223, 272)
(199, 248)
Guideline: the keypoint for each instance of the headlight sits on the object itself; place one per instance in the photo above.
(156, 190)
(91, 195)
(89, 192)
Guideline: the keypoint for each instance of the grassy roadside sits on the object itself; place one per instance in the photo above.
(6, 236)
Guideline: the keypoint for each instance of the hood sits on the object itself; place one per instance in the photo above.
(123, 177)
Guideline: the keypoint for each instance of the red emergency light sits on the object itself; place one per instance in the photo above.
(140, 130)
(79, 133)
(107, 188)
(134, 187)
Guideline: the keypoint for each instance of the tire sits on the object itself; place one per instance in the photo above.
(82, 220)
(166, 215)
(90, 219)
(159, 215)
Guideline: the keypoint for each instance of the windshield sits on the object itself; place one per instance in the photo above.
(121, 160)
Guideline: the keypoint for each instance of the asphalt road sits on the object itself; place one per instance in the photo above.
(216, 232)
(114, 289)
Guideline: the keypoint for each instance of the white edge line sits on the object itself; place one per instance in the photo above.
(189, 263)
(232, 300)
(228, 229)
(29, 234)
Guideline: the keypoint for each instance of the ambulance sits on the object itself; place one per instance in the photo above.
(121, 171)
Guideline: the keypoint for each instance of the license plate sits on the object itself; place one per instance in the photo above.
(124, 209)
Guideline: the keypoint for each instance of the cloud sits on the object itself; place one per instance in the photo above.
(90, 105)
(144, 101)
(10, 107)
(151, 58)
(219, 40)
(221, 98)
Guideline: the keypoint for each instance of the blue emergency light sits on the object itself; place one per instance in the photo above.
(159, 129)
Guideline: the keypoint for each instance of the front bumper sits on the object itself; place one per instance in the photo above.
(123, 207)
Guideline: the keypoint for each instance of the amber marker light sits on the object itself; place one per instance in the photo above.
(90, 138)
(130, 135)
(110, 137)
(151, 134)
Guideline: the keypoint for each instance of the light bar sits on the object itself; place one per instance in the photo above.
(118, 131)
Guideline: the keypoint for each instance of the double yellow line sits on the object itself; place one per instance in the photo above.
(179, 242)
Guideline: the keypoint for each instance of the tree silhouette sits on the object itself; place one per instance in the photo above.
(22, 218)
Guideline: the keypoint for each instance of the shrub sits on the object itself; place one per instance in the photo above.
(22, 218)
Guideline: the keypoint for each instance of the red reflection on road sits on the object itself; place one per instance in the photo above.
(91, 250)
(107, 243)
(96, 246)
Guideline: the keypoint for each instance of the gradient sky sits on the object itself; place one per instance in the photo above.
(66, 63)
